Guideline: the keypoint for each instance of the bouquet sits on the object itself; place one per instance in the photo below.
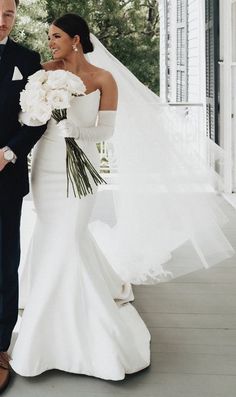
(48, 94)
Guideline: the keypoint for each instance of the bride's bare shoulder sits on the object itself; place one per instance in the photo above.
(103, 76)
(52, 65)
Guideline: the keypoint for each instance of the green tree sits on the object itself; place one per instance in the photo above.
(128, 28)
(31, 26)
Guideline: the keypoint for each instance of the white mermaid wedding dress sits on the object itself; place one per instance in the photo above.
(77, 316)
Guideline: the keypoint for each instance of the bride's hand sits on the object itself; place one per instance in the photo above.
(67, 129)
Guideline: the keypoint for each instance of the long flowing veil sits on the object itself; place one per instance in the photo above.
(160, 188)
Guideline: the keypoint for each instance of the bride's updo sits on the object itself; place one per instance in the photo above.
(73, 25)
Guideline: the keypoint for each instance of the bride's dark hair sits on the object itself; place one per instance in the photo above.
(74, 25)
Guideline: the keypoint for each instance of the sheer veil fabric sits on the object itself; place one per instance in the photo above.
(160, 188)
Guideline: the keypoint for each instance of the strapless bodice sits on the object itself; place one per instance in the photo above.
(84, 109)
(49, 154)
(82, 112)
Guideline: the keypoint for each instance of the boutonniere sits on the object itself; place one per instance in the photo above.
(17, 74)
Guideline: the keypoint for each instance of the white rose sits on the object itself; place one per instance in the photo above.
(61, 79)
(75, 85)
(34, 85)
(42, 113)
(56, 79)
(59, 99)
(25, 118)
(36, 115)
(39, 77)
(29, 98)
(24, 100)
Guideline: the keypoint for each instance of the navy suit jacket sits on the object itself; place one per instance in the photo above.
(14, 180)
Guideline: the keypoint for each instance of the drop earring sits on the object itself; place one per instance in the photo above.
(75, 48)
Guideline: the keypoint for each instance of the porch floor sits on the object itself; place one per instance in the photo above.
(193, 325)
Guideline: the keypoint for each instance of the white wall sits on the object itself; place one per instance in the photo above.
(233, 136)
(227, 87)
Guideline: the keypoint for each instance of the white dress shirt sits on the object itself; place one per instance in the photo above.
(4, 41)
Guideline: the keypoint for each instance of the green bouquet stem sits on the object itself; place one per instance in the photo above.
(78, 170)
(78, 166)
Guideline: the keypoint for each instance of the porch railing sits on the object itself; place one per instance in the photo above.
(190, 119)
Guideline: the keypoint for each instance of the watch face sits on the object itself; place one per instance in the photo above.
(8, 155)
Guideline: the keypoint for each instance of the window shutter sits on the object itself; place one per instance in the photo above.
(182, 51)
(212, 56)
(167, 48)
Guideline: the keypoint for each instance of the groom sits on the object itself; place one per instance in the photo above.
(16, 141)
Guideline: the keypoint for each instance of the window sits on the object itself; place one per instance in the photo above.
(182, 51)
(212, 56)
(168, 48)
(176, 49)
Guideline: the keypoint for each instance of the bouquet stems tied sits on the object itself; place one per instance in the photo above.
(79, 169)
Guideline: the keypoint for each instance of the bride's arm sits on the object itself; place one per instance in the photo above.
(105, 126)
(103, 130)
(109, 92)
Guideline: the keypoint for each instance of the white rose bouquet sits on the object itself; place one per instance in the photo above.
(48, 94)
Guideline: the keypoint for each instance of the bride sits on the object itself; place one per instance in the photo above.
(78, 316)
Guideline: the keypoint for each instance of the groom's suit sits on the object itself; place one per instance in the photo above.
(16, 64)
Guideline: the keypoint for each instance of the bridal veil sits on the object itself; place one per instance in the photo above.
(162, 190)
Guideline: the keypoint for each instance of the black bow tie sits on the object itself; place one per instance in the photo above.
(2, 47)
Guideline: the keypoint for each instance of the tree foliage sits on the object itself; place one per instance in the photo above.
(31, 27)
(128, 28)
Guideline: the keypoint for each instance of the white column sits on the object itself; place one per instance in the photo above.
(226, 90)
(233, 91)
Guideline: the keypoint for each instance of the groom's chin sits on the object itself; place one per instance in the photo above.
(3, 34)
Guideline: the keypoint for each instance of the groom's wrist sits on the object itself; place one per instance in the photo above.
(9, 155)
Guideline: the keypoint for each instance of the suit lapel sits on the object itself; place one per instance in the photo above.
(7, 62)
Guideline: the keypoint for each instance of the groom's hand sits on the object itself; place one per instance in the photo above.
(3, 162)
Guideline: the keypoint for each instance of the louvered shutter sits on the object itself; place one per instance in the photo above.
(212, 56)
(182, 51)
(167, 48)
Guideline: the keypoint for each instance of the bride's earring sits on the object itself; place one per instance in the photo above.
(75, 48)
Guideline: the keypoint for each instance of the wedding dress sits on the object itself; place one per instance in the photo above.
(77, 317)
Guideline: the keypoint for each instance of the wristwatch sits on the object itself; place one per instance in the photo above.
(8, 154)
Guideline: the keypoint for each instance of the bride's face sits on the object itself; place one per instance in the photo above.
(60, 43)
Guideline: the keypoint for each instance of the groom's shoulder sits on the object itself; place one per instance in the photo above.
(22, 50)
